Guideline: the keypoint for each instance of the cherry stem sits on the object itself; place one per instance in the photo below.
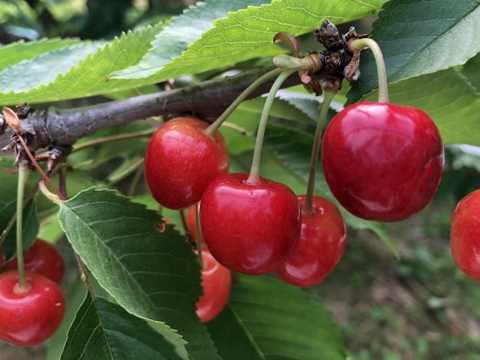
(197, 234)
(254, 176)
(317, 139)
(51, 196)
(23, 172)
(359, 44)
(242, 97)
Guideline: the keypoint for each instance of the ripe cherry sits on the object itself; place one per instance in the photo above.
(191, 224)
(465, 235)
(42, 258)
(382, 161)
(249, 228)
(319, 247)
(181, 160)
(30, 316)
(216, 282)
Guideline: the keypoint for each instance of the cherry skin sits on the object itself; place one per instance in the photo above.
(216, 282)
(249, 228)
(465, 235)
(31, 316)
(319, 247)
(181, 160)
(382, 161)
(42, 258)
(191, 224)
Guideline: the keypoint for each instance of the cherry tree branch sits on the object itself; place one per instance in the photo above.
(55, 127)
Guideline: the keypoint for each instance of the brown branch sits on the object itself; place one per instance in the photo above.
(207, 100)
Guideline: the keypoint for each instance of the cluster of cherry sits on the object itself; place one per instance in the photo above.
(381, 161)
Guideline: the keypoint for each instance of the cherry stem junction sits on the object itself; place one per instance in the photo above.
(359, 44)
(242, 97)
(23, 172)
(254, 175)
(317, 139)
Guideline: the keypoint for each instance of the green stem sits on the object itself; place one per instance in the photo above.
(317, 139)
(359, 44)
(242, 97)
(23, 171)
(253, 178)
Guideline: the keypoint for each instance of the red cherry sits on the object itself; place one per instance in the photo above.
(465, 235)
(216, 282)
(42, 258)
(181, 160)
(319, 247)
(249, 228)
(29, 317)
(191, 224)
(382, 161)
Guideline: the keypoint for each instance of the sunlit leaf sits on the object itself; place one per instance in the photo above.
(71, 78)
(248, 33)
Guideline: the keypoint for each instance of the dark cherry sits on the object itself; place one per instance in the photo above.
(465, 235)
(29, 317)
(181, 160)
(249, 228)
(216, 282)
(382, 161)
(319, 247)
(42, 258)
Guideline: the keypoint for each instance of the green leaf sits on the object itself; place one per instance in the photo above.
(152, 273)
(104, 330)
(181, 32)
(21, 51)
(248, 33)
(268, 319)
(420, 37)
(292, 147)
(27, 75)
(89, 77)
(448, 98)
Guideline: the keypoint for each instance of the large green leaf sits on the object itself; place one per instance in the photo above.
(448, 98)
(268, 319)
(420, 37)
(104, 330)
(152, 273)
(248, 33)
(292, 147)
(70, 78)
